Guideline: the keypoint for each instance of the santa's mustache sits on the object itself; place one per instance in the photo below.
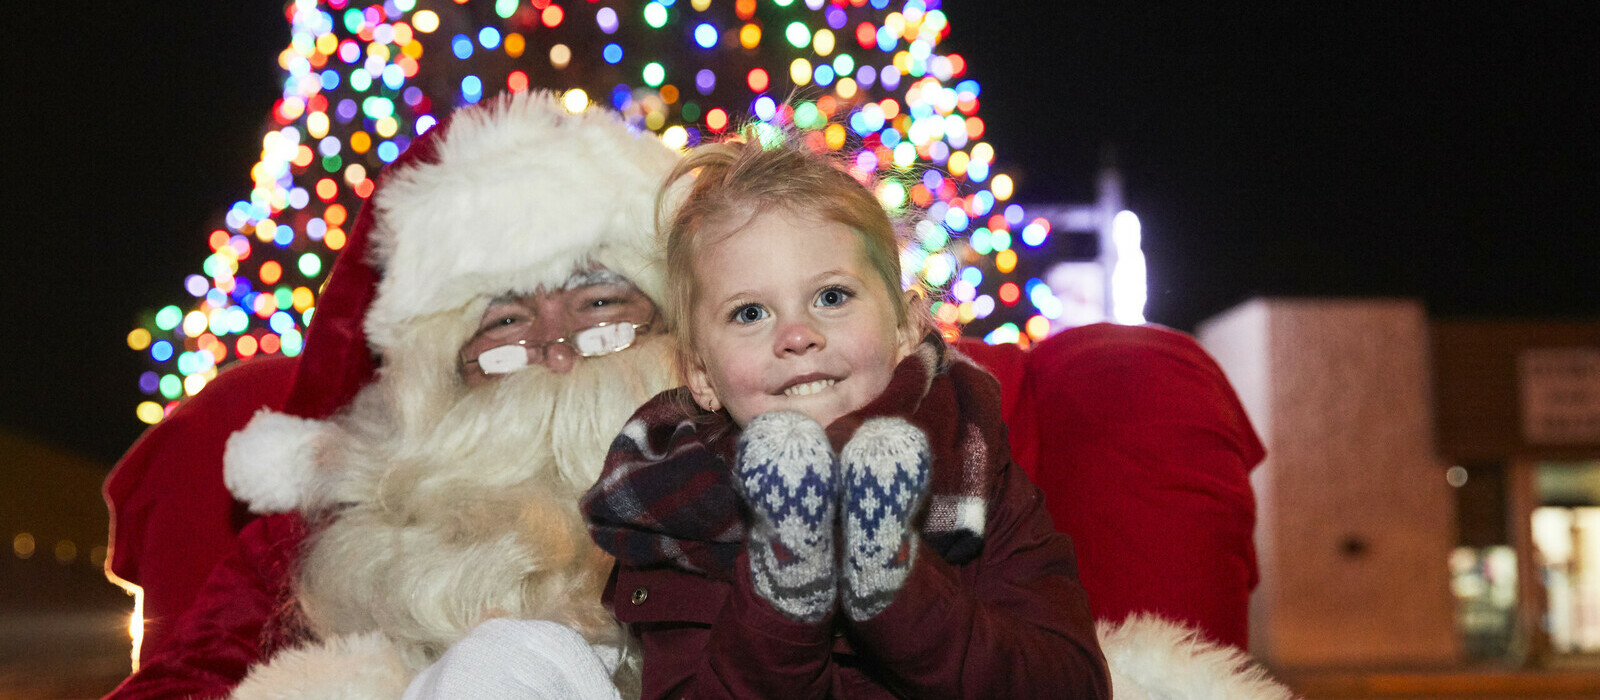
(531, 424)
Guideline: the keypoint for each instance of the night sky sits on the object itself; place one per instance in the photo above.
(1445, 151)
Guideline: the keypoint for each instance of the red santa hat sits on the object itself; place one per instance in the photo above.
(508, 196)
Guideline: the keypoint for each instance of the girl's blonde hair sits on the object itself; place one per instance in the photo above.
(751, 176)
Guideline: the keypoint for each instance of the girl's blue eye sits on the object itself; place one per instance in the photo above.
(833, 296)
(749, 313)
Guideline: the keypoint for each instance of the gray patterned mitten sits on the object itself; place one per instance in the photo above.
(885, 470)
(786, 471)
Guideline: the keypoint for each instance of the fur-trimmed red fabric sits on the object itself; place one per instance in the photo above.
(172, 518)
(1144, 454)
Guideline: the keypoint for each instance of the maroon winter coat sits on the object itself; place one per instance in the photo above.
(1001, 616)
(1012, 623)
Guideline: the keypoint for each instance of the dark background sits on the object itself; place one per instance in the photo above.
(1445, 151)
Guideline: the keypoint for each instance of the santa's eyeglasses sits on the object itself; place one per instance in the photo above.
(598, 340)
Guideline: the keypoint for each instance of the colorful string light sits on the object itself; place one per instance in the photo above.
(359, 82)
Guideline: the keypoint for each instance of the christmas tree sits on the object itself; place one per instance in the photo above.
(361, 79)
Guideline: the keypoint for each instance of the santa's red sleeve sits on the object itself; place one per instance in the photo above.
(236, 620)
(172, 519)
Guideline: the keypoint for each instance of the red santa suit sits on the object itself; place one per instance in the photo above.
(430, 507)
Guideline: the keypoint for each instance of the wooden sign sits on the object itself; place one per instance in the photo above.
(1560, 390)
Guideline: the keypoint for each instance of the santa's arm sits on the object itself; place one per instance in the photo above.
(504, 658)
(214, 642)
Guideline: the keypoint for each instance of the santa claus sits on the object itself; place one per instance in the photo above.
(484, 336)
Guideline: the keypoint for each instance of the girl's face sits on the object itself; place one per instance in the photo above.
(789, 315)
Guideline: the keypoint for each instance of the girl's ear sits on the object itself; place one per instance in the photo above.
(912, 331)
(699, 384)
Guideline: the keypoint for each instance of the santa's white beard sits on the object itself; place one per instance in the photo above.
(430, 531)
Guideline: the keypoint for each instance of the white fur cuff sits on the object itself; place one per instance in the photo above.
(1152, 658)
(358, 667)
(269, 462)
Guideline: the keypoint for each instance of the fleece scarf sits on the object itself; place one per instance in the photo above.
(666, 496)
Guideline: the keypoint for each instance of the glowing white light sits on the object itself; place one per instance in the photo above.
(136, 624)
(136, 619)
(1129, 288)
(193, 383)
(194, 323)
(575, 100)
(675, 137)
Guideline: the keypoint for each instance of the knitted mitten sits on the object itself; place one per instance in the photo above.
(786, 473)
(885, 471)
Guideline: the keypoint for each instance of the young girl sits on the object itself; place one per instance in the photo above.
(829, 507)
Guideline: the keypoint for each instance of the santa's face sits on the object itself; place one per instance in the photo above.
(596, 313)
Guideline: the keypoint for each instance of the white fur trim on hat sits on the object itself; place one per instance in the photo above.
(1154, 658)
(269, 462)
(521, 194)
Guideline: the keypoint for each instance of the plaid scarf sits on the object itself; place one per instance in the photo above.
(666, 495)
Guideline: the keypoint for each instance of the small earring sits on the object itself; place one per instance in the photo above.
(712, 404)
